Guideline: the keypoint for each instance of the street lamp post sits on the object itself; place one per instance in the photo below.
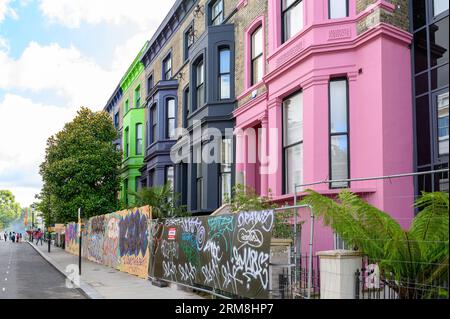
(48, 230)
(79, 248)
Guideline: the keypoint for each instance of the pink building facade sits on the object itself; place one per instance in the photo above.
(334, 102)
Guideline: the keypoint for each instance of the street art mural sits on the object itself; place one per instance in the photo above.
(118, 240)
(71, 238)
(229, 253)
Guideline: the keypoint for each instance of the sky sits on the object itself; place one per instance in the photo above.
(56, 56)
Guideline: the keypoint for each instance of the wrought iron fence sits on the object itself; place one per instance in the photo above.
(374, 283)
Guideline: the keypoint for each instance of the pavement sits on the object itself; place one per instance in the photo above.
(24, 274)
(101, 282)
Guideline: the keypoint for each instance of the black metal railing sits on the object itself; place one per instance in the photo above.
(371, 284)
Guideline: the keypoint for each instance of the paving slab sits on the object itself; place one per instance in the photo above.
(101, 282)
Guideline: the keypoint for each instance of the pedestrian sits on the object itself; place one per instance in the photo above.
(13, 237)
(39, 237)
(20, 237)
(6, 236)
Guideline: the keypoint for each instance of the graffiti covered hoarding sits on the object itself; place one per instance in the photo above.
(229, 252)
(118, 240)
(71, 238)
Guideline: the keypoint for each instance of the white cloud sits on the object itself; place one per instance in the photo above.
(4, 45)
(65, 71)
(6, 10)
(71, 13)
(25, 127)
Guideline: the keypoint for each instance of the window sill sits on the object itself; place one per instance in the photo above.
(251, 89)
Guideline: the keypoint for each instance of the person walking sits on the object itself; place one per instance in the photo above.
(6, 236)
(13, 237)
(39, 237)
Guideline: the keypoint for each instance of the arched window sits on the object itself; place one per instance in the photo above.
(170, 118)
(199, 84)
(257, 52)
(224, 73)
(139, 138)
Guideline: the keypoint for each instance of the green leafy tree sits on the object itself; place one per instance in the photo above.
(245, 199)
(81, 169)
(420, 253)
(9, 209)
(163, 200)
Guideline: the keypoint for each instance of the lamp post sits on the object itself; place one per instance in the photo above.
(48, 230)
(80, 235)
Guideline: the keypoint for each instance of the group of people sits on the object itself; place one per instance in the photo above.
(13, 236)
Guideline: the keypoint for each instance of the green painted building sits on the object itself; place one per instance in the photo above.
(133, 132)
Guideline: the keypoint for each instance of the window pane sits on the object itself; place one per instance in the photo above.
(225, 87)
(169, 175)
(226, 151)
(216, 12)
(439, 6)
(225, 61)
(421, 83)
(139, 139)
(200, 73)
(439, 77)
(423, 131)
(287, 3)
(439, 42)
(294, 167)
(293, 119)
(420, 51)
(338, 100)
(200, 96)
(293, 21)
(442, 109)
(339, 159)
(257, 43)
(226, 187)
(338, 9)
(171, 108)
(419, 13)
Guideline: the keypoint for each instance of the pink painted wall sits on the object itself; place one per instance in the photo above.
(377, 65)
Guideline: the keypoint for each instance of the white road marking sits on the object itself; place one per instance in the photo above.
(6, 279)
(4, 289)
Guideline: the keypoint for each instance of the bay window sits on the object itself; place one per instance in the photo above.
(170, 119)
(339, 137)
(293, 142)
(292, 18)
(154, 123)
(139, 137)
(225, 168)
(224, 73)
(200, 84)
(337, 9)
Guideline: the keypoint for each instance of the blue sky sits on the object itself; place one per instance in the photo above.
(56, 56)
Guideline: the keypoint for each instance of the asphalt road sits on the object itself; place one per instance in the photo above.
(24, 274)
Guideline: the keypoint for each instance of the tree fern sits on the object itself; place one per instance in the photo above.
(420, 252)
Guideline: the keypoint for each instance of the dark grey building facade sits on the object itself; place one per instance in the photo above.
(430, 27)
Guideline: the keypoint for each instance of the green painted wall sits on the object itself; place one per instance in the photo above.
(133, 162)
(133, 85)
